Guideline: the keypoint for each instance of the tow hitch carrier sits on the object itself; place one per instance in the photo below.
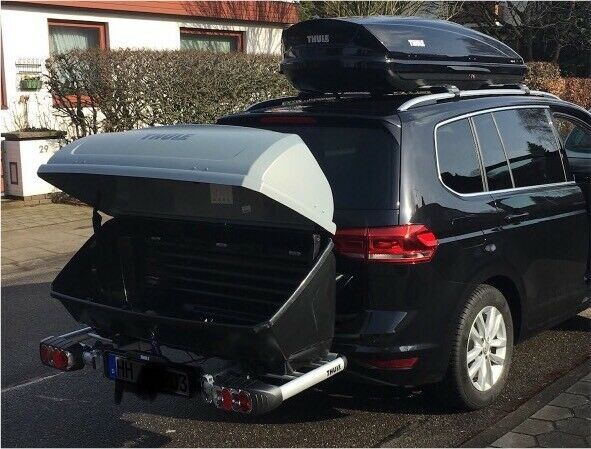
(220, 382)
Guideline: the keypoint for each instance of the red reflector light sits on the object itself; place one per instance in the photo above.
(60, 359)
(226, 399)
(393, 363)
(244, 401)
(56, 357)
(288, 119)
(46, 352)
(406, 244)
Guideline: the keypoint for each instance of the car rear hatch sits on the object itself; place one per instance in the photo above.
(220, 242)
(360, 155)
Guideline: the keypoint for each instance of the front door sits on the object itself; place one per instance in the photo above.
(542, 218)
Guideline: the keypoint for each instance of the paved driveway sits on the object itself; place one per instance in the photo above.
(33, 235)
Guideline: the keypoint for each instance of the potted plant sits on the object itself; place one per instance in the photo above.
(24, 150)
(31, 83)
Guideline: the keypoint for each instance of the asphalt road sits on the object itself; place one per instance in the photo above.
(43, 407)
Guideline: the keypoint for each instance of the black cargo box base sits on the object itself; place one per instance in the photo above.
(137, 279)
(388, 54)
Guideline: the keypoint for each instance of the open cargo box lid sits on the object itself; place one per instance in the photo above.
(197, 171)
(386, 53)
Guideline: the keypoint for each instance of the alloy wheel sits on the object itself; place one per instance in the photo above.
(486, 348)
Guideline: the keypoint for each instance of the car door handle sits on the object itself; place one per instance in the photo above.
(516, 218)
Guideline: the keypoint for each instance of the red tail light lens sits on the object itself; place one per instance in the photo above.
(60, 359)
(244, 401)
(56, 357)
(226, 399)
(46, 353)
(407, 244)
(232, 400)
(393, 364)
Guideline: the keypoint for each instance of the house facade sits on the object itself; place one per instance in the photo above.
(32, 30)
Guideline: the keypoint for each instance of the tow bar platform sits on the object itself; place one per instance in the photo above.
(134, 366)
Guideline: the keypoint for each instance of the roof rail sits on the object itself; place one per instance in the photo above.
(281, 100)
(437, 92)
(519, 89)
(270, 103)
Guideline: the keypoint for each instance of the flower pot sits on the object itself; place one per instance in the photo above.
(31, 84)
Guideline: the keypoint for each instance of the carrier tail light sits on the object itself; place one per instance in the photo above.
(233, 400)
(406, 244)
(57, 357)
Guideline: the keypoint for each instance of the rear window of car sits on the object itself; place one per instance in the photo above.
(531, 147)
(360, 163)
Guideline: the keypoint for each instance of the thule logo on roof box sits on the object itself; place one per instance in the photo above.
(318, 38)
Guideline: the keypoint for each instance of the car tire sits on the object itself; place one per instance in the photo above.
(477, 374)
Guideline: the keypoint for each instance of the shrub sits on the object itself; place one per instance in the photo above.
(117, 90)
(578, 90)
(545, 76)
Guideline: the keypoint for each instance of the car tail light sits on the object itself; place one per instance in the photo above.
(393, 364)
(287, 119)
(406, 244)
(46, 352)
(244, 401)
(57, 357)
(225, 399)
(233, 400)
(61, 359)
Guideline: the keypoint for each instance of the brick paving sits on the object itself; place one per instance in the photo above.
(33, 235)
(564, 422)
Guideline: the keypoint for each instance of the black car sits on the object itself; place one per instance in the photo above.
(576, 138)
(460, 228)
(409, 238)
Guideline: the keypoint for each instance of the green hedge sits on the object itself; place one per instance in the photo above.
(117, 90)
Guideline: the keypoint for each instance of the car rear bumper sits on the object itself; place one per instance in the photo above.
(397, 337)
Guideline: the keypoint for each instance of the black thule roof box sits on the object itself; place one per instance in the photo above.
(387, 54)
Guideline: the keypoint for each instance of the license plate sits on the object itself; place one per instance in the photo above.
(168, 379)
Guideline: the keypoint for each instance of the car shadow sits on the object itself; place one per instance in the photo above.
(80, 400)
(336, 399)
(577, 323)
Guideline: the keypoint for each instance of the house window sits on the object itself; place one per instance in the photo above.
(212, 40)
(65, 35)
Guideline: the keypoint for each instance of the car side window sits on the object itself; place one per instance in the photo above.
(575, 137)
(531, 147)
(459, 166)
(494, 160)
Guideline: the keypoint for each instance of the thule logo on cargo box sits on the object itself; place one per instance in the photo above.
(318, 38)
(334, 370)
(416, 42)
(170, 136)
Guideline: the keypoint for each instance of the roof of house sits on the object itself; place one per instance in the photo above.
(278, 12)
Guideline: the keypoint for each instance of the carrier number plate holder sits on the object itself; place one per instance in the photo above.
(166, 378)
